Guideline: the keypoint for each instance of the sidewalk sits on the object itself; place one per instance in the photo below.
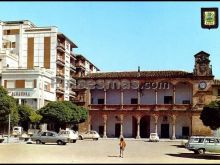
(146, 139)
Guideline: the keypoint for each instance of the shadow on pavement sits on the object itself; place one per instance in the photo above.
(179, 146)
(197, 156)
(113, 156)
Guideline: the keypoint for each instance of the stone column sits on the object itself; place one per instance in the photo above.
(155, 96)
(105, 126)
(155, 122)
(173, 127)
(174, 94)
(89, 96)
(122, 99)
(139, 98)
(121, 124)
(138, 127)
(105, 97)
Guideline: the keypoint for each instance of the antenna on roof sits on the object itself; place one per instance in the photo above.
(139, 71)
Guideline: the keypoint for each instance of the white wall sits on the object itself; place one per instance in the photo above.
(148, 97)
(113, 97)
(97, 94)
(128, 94)
(183, 92)
(164, 92)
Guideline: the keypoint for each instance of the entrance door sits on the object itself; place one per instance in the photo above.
(117, 129)
(145, 127)
(165, 130)
(101, 130)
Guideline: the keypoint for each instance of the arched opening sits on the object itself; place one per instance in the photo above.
(134, 127)
(145, 127)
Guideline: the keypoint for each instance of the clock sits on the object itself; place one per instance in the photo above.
(202, 85)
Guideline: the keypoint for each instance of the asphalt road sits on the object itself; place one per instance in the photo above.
(102, 151)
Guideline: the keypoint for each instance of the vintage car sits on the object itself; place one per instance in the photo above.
(201, 144)
(49, 137)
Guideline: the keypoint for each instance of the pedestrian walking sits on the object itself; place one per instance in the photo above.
(122, 145)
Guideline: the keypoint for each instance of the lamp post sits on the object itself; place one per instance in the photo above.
(9, 126)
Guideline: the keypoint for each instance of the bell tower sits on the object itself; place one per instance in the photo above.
(202, 64)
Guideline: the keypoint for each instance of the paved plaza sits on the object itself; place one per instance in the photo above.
(103, 151)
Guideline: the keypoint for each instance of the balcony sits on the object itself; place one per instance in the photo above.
(72, 67)
(59, 89)
(60, 61)
(72, 93)
(79, 100)
(72, 55)
(80, 65)
(153, 107)
(61, 47)
(60, 74)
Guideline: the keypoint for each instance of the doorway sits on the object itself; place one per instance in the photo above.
(117, 129)
(145, 127)
(165, 130)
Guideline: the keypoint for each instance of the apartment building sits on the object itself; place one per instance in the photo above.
(42, 54)
(134, 104)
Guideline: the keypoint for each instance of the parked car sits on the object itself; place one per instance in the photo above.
(49, 137)
(154, 137)
(71, 135)
(201, 144)
(89, 135)
(17, 131)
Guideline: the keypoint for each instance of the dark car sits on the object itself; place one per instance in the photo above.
(49, 137)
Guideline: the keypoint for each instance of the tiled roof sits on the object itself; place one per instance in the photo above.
(143, 74)
(217, 82)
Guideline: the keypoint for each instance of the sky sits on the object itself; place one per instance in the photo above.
(120, 36)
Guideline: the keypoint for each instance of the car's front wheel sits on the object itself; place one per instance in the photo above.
(38, 142)
(201, 151)
(80, 138)
(59, 142)
(74, 141)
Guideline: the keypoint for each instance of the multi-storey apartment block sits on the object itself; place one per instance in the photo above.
(134, 104)
(37, 59)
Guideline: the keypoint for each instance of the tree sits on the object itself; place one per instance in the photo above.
(210, 115)
(27, 115)
(55, 112)
(8, 106)
(63, 112)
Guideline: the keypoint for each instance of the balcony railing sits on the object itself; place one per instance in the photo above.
(61, 47)
(60, 60)
(72, 67)
(59, 89)
(153, 107)
(60, 73)
(80, 65)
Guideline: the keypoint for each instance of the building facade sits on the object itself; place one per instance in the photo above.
(134, 104)
(40, 59)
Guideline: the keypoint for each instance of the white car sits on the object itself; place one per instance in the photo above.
(154, 137)
(70, 134)
(89, 135)
(17, 131)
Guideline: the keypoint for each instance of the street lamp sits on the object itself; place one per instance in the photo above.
(9, 126)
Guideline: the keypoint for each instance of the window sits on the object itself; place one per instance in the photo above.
(134, 101)
(10, 84)
(168, 99)
(46, 86)
(29, 84)
(186, 101)
(13, 44)
(218, 92)
(100, 101)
